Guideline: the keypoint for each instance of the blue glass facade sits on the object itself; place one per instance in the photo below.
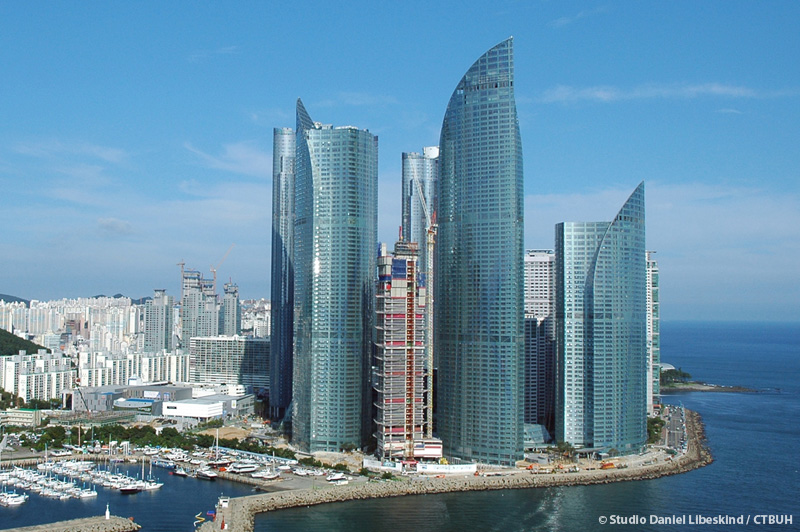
(479, 289)
(282, 287)
(601, 316)
(335, 239)
(424, 168)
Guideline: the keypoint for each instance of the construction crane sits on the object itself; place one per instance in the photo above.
(431, 228)
(214, 270)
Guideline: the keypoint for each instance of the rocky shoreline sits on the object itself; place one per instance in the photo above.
(239, 514)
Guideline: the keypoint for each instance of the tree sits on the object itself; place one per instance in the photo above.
(654, 427)
(565, 449)
(672, 376)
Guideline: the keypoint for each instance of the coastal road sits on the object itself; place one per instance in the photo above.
(676, 429)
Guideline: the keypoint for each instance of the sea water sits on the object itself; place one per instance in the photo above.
(754, 438)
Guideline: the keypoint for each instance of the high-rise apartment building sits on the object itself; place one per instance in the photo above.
(601, 330)
(282, 288)
(231, 315)
(653, 334)
(199, 309)
(41, 376)
(335, 239)
(103, 369)
(402, 374)
(158, 323)
(231, 360)
(478, 308)
(540, 301)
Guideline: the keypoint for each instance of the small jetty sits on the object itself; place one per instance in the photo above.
(87, 524)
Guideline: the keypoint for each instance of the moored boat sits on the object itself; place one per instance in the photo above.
(205, 474)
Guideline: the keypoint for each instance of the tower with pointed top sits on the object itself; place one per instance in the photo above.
(601, 330)
(478, 311)
(335, 239)
(282, 286)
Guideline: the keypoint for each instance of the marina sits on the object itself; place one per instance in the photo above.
(172, 507)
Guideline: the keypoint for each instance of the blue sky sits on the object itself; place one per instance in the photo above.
(134, 135)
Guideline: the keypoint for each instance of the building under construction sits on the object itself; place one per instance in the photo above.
(402, 375)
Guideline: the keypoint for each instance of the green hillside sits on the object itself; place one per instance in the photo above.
(11, 345)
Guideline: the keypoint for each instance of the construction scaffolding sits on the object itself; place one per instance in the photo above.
(402, 374)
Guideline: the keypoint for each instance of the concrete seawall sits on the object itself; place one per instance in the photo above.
(88, 524)
(240, 513)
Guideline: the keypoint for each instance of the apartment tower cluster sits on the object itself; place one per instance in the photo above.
(456, 340)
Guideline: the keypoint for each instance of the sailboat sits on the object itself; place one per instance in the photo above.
(268, 475)
(150, 483)
(218, 462)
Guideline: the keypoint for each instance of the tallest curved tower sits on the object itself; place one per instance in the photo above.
(479, 255)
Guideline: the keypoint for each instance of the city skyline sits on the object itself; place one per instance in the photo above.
(122, 126)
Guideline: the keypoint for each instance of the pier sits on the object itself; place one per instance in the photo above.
(237, 514)
(88, 524)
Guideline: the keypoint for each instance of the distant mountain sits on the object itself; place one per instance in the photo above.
(13, 299)
(11, 345)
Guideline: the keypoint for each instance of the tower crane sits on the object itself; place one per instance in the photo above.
(214, 270)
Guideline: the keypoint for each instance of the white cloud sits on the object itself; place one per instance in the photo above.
(567, 94)
(114, 226)
(357, 99)
(565, 21)
(51, 148)
(200, 55)
(240, 158)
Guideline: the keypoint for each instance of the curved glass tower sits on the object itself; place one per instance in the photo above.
(479, 290)
(420, 173)
(601, 331)
(282, 287)
(335, 243)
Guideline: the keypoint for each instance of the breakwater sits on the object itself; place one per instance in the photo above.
(239, 514)
(88, 524)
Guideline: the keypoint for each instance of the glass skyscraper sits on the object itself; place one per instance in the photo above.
(479, 280)
(601, 330)
(420, 173)
(282, 286)
(335, 244)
